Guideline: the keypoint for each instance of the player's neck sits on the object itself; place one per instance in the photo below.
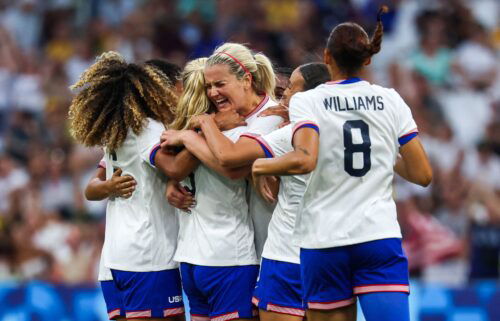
(342, 76)
(253, 101)
(338, 75)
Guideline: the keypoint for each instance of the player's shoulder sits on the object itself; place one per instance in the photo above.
(269, 102)
(152, 124)
(281, 133)
(235, 133)
(386, 91)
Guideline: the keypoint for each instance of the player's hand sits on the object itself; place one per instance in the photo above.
(171, 138)
(121, 186)
(263, 185)
(195, 121)
(228, 119)
(179, 197)
(280, 110)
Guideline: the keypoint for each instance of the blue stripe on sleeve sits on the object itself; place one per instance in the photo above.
(406, 138)
(315, 127)
(266, 150)
(153, 154)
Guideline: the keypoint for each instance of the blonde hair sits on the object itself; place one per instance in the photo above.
(193, 100)
(117, 96)
(241, 61)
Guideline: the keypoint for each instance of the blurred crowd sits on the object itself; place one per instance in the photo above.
(442, 56)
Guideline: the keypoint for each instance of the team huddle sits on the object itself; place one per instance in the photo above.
(256, 206)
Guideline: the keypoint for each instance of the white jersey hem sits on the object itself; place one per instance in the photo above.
(170, 266)
(220, 263)
(281, 258)
(326, 245)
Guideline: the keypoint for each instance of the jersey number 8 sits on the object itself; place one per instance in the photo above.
(350, 148)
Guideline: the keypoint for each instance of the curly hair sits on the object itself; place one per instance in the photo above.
(117, 96)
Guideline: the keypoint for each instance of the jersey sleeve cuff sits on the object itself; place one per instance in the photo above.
(268, 151)
(305, 124)
(102, 164)
(153, 152)
(406, 138)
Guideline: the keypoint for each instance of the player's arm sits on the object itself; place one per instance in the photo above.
(301, 160)
(413, 165)
(229, 154)
(99, 188)
(176, 166)
(197, 145)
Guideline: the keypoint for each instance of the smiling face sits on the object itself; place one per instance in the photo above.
(224, 90)
(296, 85)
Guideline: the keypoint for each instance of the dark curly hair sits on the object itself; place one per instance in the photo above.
(118, 96)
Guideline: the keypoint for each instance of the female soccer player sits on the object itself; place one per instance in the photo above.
(278, 293)
(216, 243)
(238, 79)
(347, 228)
(123, 108)
(100, 188)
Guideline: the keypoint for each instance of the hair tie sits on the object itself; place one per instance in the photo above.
(238, 62)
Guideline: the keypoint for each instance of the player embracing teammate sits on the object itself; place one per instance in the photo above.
(347, 227)
(341, 217)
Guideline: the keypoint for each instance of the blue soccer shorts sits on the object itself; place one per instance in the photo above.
(219, 293)
(150, 294)
(333, 276)
(113, 300)
(279, 288)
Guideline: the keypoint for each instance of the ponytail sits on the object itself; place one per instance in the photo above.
(376, 41)
(265, 78)
(193, 100)
(350, 46)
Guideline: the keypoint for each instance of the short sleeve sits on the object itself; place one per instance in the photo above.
(102, 163)
(235, 133)
(301, 112)
(264, 125)
(276, 143)
(149, 141)
(280, 141)
(406, 126)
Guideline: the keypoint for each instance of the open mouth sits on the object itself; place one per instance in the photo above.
(222, 103)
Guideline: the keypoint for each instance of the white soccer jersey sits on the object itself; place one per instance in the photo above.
(348, 198)
(219, 230)
(260, 210)
(104, 272)
(280, 244)
(141, 231)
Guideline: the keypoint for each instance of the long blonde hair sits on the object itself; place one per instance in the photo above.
(193, 100)
(241, 61)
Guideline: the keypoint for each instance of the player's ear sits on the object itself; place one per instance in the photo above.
(327, 58)
(247, 80)
(367, 61)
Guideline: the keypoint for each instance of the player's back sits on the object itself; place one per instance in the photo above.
(141, 231)
(349, 195)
